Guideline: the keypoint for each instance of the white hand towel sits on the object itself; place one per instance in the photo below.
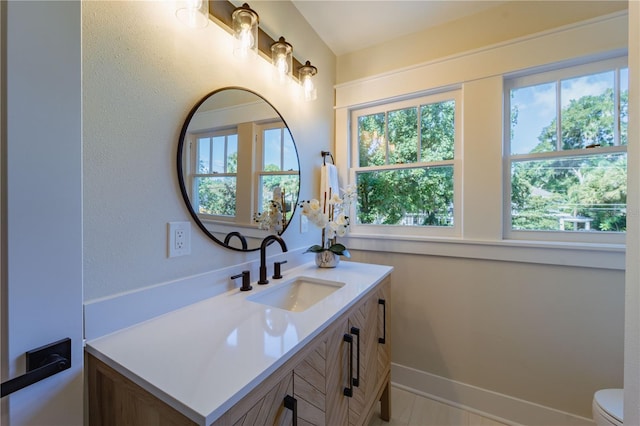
(329, 180)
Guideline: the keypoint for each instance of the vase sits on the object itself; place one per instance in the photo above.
(327, 259)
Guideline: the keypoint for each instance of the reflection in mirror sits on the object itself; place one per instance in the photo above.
(238, 168)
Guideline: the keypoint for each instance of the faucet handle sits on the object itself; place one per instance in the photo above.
(276, 270)
(245, 280)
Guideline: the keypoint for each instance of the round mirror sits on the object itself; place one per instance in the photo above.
(238, 168)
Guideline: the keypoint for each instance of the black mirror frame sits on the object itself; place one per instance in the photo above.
(180, 170)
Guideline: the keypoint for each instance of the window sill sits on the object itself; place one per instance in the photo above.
(589, 255)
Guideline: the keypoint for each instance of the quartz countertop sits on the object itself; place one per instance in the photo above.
(205, 357)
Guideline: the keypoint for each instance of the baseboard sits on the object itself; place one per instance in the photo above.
(499, 407)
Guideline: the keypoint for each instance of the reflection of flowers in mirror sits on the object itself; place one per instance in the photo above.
(272, 219)
(332, 216)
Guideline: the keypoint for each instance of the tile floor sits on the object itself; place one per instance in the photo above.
(409, 409)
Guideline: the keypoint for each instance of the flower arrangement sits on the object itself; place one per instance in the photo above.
(332, 216)
(273, 219)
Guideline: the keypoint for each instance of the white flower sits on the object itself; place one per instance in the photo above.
(341, 230)
(332, 215)
(342, 220)
(331, 231)
(335, 199)
(314, 205)
(271, 219)
(320, 220)
(349, 193)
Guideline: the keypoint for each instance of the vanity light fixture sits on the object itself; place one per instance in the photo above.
(244, 23)
(237, 21)
(305, 75)
(281, 57)
(193, 13)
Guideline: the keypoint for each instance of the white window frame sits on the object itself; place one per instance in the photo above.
(550, 75)
(481, 74)
(194, 174)
(260, 172)
(436, 96)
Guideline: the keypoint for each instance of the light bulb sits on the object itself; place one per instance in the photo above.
(246, 38)
(281, 65)
(306, 73)
(194, 14)
(281, 52)
(245, 31)
(309, 88)
(244, 42)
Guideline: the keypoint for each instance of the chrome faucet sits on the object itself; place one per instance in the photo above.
(263, 255)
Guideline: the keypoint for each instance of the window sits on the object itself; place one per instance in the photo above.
(278, 168)
(566, 153)
(215, 177)
(405, 166)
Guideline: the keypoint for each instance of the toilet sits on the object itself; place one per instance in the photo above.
(607, 407)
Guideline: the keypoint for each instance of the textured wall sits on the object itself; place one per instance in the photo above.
(142, 72)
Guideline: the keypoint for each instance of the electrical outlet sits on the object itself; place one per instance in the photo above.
(179, 238)
(304, 224)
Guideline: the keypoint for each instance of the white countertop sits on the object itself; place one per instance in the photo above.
(203, 358)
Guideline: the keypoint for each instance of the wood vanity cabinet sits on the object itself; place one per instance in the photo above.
(116, 400)
(336, 379)
(324, 375)
(364, 332)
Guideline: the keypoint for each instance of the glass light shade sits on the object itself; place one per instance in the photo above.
(305, 75)
(244, 23)
(193, 13)
(282, 58)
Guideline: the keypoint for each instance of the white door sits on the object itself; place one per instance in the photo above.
(41, 213)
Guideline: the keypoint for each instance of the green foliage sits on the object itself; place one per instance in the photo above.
(585, 187)
(438, 131)
(336, 248)
(581, 188)
(217, 196)
(289, 184)
(372, 141)
(421, 196)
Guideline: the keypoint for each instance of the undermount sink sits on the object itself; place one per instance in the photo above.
(297, 295)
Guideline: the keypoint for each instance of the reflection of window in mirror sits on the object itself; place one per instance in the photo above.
(278, 172)
(235, 171)
(215, 165)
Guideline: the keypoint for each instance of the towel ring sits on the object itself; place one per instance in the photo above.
(324, 157)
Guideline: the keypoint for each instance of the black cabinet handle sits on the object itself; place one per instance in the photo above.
(356, 381)
(292, 404)
(349, 391)
(42, 362)
(383, 339)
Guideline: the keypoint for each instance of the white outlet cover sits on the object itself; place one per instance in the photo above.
(178, 239)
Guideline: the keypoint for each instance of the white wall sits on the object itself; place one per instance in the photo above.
(632, 307)
(539, 323)
(41, 210)
(143, 71)
(509, 20)
(550, 335)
